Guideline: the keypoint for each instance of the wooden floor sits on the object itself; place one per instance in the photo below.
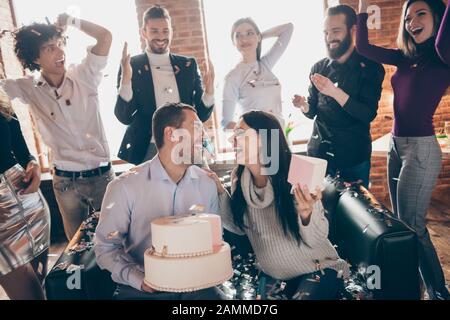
(438, 225)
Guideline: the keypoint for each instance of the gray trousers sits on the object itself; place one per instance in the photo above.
(128, 293)
(414, 164)
(76, 198)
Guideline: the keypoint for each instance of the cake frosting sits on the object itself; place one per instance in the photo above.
(187, 254)
(181, 236)
(216, 227)
(189, 273)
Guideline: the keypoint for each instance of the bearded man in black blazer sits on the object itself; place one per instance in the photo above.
(154, 78)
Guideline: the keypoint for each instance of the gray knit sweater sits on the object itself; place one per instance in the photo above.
(278, 255)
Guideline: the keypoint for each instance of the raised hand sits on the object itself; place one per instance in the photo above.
(127, 71)
(362, 6)
(208, 77)
(62, 21)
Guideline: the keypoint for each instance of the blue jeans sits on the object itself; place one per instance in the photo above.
(360, 172)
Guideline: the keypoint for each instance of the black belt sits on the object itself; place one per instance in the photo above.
(83, 174)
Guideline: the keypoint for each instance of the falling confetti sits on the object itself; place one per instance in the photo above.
(36, 32)
(366, 228)
(110, 206)
(113, 235)
(197, 208)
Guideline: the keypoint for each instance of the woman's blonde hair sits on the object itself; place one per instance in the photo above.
(5, 105)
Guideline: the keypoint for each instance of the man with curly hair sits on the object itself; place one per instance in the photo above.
(64, 103)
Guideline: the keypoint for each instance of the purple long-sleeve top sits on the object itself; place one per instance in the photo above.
(419, 83)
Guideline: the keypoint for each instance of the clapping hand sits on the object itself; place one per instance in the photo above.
(324, 85)
(301, 103)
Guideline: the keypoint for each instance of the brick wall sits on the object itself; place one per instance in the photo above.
(386, 36)
(187, 21)
(13, 69)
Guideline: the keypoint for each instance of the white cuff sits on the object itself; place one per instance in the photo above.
(135, 278)
(208, 100)
(126, 92)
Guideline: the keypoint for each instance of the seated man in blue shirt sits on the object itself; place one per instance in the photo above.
(165, 186)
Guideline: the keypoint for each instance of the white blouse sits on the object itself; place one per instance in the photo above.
(254, 86)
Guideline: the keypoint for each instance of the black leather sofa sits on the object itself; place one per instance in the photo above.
(364, 232)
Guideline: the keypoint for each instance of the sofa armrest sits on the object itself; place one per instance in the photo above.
(76, 275)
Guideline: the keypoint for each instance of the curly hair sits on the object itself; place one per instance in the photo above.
(29, 40)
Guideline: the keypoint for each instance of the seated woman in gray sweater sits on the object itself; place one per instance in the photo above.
(288, 233)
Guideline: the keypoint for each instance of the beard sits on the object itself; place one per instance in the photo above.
(339, 51)
(157, 49)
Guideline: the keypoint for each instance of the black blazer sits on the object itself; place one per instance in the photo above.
(138, 113)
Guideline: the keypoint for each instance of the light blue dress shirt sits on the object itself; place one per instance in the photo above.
(130, 204)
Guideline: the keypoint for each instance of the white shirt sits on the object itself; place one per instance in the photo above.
(68, 118)
(254, 86)
(164, 82)
(134, 200)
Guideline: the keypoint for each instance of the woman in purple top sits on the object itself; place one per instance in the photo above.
(415, 158)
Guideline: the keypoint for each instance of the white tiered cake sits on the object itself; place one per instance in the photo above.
(187, 254)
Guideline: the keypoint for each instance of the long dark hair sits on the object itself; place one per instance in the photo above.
(251, 22)
(404, 40)
(284, 203)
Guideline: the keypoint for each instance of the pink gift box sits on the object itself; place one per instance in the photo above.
(307, 171)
